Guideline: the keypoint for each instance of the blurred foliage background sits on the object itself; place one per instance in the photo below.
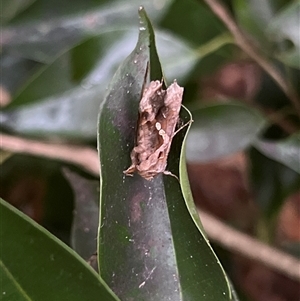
(57, 58)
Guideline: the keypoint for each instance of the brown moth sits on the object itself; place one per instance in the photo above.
(158, 117)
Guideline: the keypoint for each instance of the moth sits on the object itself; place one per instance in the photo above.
(158, 116)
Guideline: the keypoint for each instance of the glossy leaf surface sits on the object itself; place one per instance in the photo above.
(85, 214)
(56, 272)
(43, 33)
(285, 151)
(10, 9)
(254, 16)
(65, 92)
(222, 129)
(285, 26)
(149, 248)
(272, 183)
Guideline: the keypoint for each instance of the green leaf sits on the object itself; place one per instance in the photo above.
(70, 89)
(285, 151)
(65, 25)
(10, 9)
(258, 17)
(45, 32)
(176, 54)
(86, 214)
(221, 129)
(150, 244)
(272, 183)
(50, 199)
(16, 71)
(195, 20)
(48, 80)
(56, 272)
(254, 16)
(198, 27)
(285, 25)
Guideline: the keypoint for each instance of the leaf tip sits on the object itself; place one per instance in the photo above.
(142, 14)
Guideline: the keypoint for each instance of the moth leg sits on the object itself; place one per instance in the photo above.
(127, 173)
(130, 170)
(168, 173)
(183, 126)
(93, 261)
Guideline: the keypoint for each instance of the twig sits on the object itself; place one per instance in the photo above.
(243, 42)
(247, 246)
(216, 230)
(79, 155)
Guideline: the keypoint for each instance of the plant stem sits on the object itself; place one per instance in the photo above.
(214, 44)
(243, 42)
(249, 247)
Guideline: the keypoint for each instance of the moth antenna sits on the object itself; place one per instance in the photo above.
(163, 82)
(145, 78)
(182, 127)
